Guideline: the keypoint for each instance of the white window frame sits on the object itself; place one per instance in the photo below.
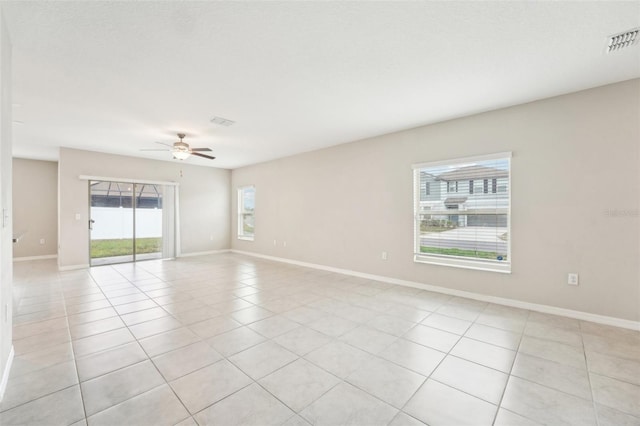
(478, 264)
(242, 213)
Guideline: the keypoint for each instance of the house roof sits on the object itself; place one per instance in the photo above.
(473, 172)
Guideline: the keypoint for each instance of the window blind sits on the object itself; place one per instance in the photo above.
(464, 218)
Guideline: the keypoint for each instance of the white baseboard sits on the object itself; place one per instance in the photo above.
(203, 253)
(5, 375)
(73, 267)
(25, 258)
(547, 309)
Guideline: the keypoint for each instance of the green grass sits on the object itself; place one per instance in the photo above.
(435, 225)
(461, 252)
(124, 247)
(427, 228)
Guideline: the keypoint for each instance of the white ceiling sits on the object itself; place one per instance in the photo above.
(295, 76)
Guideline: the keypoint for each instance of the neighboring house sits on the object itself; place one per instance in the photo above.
(469, 191)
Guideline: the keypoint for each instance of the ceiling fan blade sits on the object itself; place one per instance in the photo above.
(203, 156)
(165, 144)
(154, 149)
(200, 149)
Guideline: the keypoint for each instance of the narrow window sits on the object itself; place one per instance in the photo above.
(246, 212)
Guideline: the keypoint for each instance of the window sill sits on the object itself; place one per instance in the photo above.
(245, 238)
(503, 268)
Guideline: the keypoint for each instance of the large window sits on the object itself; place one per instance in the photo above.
(246, 210)
(465, 227)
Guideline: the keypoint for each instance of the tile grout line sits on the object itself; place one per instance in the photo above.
(509, 375)
(148, 359)
(586, 363)
(450, 354)
(402, 409)
(75, 360)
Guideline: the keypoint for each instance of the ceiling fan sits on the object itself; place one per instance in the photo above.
(181, 150)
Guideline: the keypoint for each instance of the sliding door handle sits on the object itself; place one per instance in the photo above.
(91, 222)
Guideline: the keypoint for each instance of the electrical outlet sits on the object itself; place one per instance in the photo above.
(78, 216)
(275, 243)
(284, 244)
(384, 255)
(42, 241)
(572, 279)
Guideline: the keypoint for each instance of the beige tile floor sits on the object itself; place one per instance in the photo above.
(232, 340)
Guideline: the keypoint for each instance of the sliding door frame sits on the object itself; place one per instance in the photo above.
(135, 183)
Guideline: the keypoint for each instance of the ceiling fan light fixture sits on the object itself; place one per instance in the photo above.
(181, 155)
(181, 150)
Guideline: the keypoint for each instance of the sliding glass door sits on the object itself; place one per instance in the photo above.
(128, 222)
(111, 222)
(148, 221)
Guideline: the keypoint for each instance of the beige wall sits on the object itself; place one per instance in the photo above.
(6, 230)
(35, 203)
(204, 200)
(574, 157)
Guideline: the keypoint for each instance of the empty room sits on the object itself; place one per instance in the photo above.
(320, 213)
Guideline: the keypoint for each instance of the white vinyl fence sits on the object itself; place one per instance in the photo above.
(117, 222)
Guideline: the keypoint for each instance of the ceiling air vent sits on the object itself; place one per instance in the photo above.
(222, 121)
(622, 40)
